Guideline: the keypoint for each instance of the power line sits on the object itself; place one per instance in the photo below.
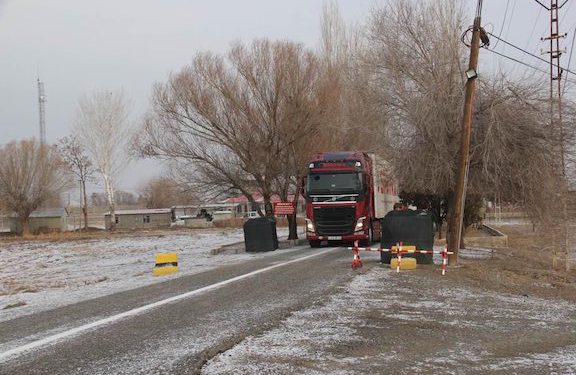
(570, 58)
(510, 20)
(573, 30)
(566, 12)
(516, 60)
(529, 53)
(503, 21)
(533, 28)
(523, 63)
(545, 7)
(509, 23)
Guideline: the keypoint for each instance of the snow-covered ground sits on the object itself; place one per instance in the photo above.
(42, 275)
(383, 322)
(380, 322)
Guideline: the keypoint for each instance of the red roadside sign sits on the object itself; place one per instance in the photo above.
(283, 208)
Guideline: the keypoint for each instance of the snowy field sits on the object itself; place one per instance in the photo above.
(42, 275)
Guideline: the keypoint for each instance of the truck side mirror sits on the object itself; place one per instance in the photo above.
(301, 186)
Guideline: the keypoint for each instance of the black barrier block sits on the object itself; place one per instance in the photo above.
(260, 235)
(411, 227)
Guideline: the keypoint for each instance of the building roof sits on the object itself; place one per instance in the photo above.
(186, 206)
(220, 205)
(144, 211)
(50, 212)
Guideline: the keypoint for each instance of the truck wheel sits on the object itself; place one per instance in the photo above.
(368, 242)
(314, 243)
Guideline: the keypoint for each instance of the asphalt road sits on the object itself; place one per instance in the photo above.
(208, 313)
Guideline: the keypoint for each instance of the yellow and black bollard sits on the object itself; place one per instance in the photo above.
(166, 263)
(400, 263)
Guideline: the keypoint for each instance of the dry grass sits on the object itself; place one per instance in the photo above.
(524, 268)
(236, 222)
(60, 236)
(95, 233)
(90, 234)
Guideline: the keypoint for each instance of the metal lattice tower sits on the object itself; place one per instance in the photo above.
(42, 111)
(556, 76)
(561, 242)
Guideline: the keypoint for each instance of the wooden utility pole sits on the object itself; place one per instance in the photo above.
(455, 233)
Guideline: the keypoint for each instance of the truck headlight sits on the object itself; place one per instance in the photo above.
(360, 224)
(310, 226)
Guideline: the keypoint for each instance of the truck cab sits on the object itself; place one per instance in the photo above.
(342, 198)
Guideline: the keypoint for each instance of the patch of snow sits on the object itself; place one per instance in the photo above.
(42, 275)
(477, 253)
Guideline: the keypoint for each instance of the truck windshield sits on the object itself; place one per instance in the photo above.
(334, 183)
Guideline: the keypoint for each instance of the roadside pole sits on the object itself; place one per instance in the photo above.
(464, 160)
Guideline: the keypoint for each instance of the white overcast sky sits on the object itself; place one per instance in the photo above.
(79, 46)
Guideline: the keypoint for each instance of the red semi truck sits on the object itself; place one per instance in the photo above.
(347, 193)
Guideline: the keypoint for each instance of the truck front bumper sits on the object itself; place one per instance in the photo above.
(346, 238)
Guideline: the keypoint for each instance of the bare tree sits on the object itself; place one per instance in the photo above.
(102, 128)
(232, 121)
(74, 155)
(30, 173)
(514, 152)
(415, 61)
(352, 120)
(165, 192)
(125, 198)
(98, 199)
(417, 79)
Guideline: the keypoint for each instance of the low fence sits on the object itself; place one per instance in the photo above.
(399, 250)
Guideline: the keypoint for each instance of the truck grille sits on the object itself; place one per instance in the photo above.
(334, 221)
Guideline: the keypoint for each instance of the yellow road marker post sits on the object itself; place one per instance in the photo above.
(166, 263)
